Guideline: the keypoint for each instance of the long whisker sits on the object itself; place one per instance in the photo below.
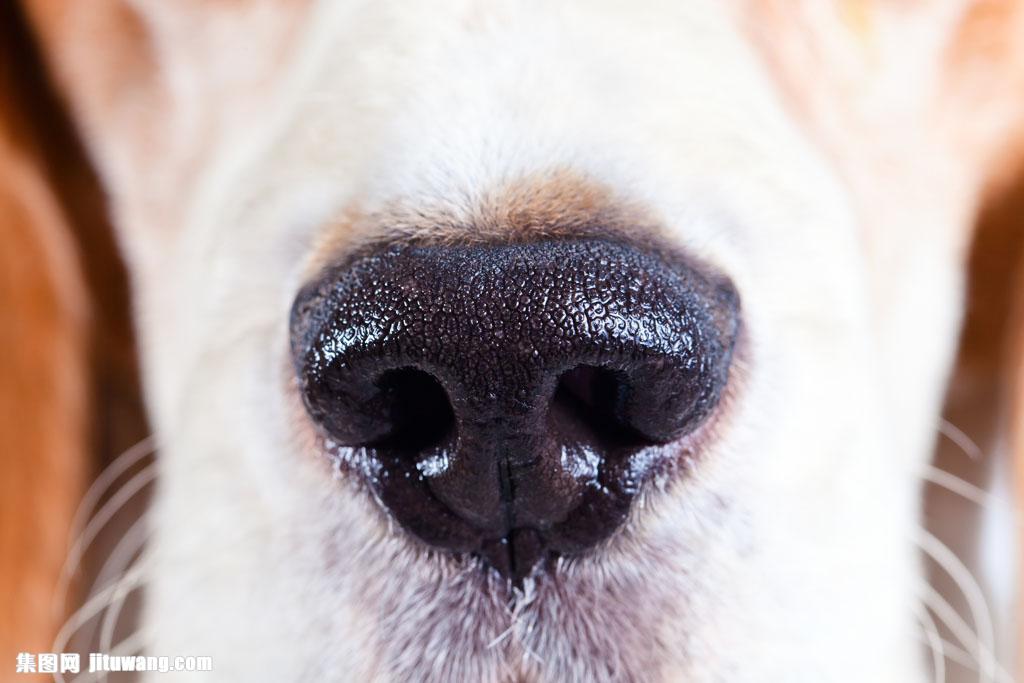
(123, 555)
(968, 445)
(962, 657)
(113, 614)
(963, 488)
(94, 606)
(103, 516)
(976, 603)
(92, 496)
(951, 620)
(936, 645)
(109, 475)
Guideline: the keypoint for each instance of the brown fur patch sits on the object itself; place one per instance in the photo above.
(43, 385)
(546, 205)
(556, 204)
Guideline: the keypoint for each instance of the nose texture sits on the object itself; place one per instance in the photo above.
(512, 398)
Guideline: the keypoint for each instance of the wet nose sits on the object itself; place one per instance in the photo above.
(508, 401)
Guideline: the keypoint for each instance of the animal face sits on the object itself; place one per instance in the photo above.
(543, 341)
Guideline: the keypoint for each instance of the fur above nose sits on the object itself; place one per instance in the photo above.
(507, 394)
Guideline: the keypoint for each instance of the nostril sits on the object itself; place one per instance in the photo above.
(590, 403)
(420, 413)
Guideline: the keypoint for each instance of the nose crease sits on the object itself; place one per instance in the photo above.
(533, 372)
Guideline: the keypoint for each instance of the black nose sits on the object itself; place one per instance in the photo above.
(509, 400)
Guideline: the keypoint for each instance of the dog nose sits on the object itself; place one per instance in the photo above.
(509, 401)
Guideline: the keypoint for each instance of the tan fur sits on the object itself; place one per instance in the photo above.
(553, 204)
(68, 382)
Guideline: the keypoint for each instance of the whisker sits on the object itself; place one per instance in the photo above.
(92, 496)
(963, 658)
(968, 445)
(123, 553)
(976, 603)
(957, 570)
(92, 607)
(962, 488)
(935, 643)
(952, 620)
(113, 614)
(103, 516)
(122, 556)
(109, 475)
